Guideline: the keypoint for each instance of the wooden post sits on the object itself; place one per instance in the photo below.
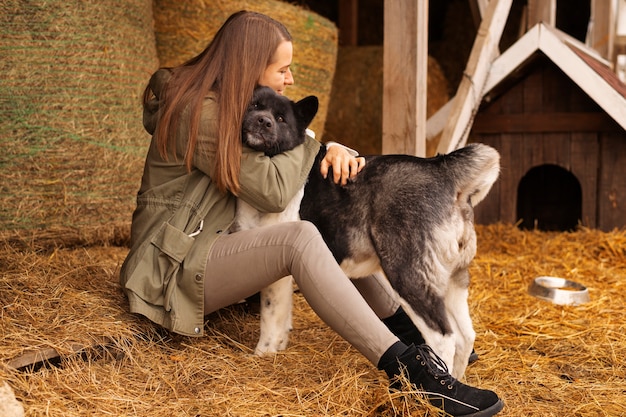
(348, 22)
(602, 28)
(618, 53)
(541, 11)
(469, 93)
(405, 66)
(478, 7)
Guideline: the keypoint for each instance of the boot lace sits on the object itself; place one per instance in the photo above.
(435, 365)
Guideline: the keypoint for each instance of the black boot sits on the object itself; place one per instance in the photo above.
(424, 369)
(402, 326)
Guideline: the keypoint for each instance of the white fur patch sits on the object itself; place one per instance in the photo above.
(276, 299)
(361, 268)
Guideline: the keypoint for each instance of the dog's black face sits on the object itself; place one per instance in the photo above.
(274, 124)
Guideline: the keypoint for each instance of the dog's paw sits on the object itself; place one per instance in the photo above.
(274, 336)
(271, 345)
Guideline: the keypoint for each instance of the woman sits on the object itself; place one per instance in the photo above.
(182, 266)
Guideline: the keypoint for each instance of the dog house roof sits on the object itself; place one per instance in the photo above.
(580, 63)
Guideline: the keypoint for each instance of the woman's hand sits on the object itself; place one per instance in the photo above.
(343, 163)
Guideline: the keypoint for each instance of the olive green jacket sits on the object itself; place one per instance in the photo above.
(181, 213)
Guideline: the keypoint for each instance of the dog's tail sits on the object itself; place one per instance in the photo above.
(475, 168)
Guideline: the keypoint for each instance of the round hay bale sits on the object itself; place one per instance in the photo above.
(71, 131)
(184, 28)
(355, 110)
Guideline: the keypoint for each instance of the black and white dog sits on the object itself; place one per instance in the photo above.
(273, 124)
(410, 217)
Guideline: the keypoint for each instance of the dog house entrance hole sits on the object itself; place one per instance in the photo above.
(549, 198)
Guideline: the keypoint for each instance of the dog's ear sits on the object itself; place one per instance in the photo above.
(306, 109)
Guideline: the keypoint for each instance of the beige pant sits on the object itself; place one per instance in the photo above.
(242, 263)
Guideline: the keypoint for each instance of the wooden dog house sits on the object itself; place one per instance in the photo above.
(557, 115)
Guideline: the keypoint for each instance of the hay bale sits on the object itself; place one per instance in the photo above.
(184, 29)
(355, 110)
(71, 132)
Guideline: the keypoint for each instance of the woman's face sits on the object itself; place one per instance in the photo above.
(277, 74)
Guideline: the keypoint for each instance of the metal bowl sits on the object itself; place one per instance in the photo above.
(559, 291)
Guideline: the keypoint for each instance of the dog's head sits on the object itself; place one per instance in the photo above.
(274, 124)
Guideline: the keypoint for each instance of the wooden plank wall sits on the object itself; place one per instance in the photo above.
(612, 180)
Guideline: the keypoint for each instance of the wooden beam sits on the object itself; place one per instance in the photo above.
(33, 357)
(405, 66)
(437, 122)
(544, 123)
(469, 92)
(348, 22)
(620, 20)
(541, 11)
(504, 65)
(602, 28)
(477, 8)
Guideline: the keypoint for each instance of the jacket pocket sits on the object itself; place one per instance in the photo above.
(173, 245)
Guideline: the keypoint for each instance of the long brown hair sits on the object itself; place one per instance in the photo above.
(230, 66)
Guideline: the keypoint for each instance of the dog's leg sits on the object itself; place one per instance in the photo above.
(276, 310)
(442, 344)
(421, 276)
(420, 279)
(458, 312)
(457, 291)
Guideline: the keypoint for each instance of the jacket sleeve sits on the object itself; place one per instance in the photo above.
(269, 184)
